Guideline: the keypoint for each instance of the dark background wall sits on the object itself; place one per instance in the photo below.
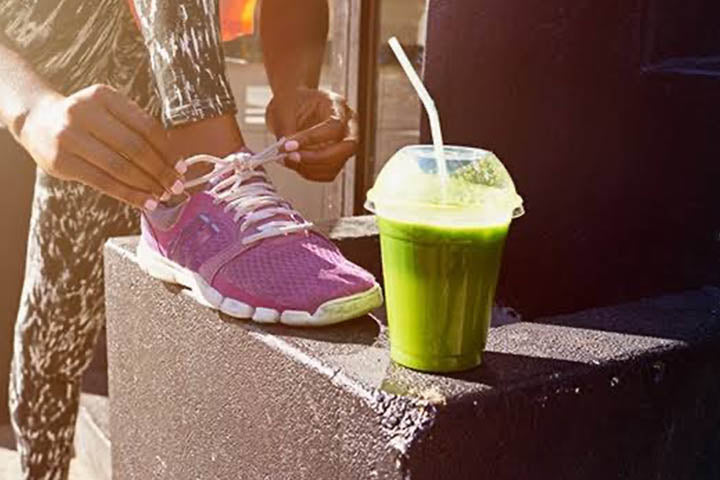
(606, 112)
(17, 173)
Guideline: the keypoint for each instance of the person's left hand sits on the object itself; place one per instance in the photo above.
(321, 131)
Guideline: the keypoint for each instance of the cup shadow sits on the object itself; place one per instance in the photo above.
(499, 371)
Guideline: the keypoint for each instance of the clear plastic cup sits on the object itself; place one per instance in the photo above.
(441, 254)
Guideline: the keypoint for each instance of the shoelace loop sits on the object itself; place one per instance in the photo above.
(255, 201)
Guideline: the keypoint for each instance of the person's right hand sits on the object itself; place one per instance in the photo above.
(99, 137)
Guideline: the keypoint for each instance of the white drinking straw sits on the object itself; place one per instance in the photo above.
(429, 105)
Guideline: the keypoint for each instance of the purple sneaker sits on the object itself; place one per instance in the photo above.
(243, 250)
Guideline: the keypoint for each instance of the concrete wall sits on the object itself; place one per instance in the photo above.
(612, 142)
(17, 172)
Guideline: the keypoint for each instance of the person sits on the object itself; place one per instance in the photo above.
(82, 89)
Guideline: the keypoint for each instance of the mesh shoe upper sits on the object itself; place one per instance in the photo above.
(298, 272)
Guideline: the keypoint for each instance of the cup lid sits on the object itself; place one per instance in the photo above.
(478, 191)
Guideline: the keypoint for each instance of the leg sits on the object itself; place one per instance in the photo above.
(61, 312)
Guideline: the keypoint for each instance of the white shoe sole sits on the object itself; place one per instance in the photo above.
(331, 312)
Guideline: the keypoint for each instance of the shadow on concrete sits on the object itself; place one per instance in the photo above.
(361, 331)
(499, 371)
(95, 378)
(690, 317)
(173, 288)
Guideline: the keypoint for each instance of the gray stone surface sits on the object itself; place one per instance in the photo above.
(622, 392)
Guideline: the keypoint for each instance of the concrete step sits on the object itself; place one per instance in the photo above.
(628, 391)
(92, 436)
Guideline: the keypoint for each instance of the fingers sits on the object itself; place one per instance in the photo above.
(123, 127)
(100, 156)
(320, 151)
(151, 131)
(280, 121)
(99, 179)
(331, 130)
(138, 150)
(322, 165)
(352, 126)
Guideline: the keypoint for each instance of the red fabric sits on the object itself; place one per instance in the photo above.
(237, 17)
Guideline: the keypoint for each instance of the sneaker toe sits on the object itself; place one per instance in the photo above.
(297, 273)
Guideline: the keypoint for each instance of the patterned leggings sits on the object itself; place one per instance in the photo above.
(61, 312)
(62, 302)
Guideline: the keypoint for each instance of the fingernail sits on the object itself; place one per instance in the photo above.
(295, 157)
(177, 187)
(181, 167)
(165, 197)
(151, 205)
(291, 145)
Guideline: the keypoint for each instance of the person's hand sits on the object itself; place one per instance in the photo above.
(99, 137)
(321, 129)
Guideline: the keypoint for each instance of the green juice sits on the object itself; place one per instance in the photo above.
(440, 286)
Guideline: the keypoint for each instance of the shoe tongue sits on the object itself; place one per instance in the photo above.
(249, 181)
(253, 179)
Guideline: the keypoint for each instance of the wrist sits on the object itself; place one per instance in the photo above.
(289, 91)
(217, 136)
(34, 104)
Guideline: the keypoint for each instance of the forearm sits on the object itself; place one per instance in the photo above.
(293, 39)
(218, 136)
(20, 89)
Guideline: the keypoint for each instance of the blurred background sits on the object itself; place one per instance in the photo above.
(395, 110)
(394, 122)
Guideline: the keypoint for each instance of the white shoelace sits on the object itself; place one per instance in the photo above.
(254, 201)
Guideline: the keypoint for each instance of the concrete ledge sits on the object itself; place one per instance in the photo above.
(626, 392)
